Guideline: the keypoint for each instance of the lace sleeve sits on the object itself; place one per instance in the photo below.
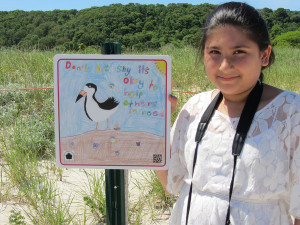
(180, 150)
(177, 168)
(295, 159)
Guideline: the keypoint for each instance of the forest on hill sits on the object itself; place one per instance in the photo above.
(136, 26)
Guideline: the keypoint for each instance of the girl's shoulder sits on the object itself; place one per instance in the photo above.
(276, 97)
(202, 97)
(198, 101)
(193, 108)
(291, 101)
(287, 103)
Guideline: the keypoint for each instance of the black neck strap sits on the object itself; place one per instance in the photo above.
(240, 136)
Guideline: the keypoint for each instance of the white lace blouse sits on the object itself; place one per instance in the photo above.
(267, 181)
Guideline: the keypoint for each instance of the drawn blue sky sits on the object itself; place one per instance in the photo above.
(73, 119)
(29, 5)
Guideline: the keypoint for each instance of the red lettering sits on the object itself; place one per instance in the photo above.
(146, 71)
(68, 65)
(131, 80)
(151, 84)
(162, 114)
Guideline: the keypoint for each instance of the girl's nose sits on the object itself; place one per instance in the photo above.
(226, 64)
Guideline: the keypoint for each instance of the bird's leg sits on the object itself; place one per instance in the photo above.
(96, 126)
(107, 124)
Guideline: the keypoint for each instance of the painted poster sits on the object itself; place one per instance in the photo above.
(112, 111)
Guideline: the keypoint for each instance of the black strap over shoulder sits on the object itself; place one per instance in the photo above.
(199, 135)
(207, 116)
(239, 139)
(246, 118)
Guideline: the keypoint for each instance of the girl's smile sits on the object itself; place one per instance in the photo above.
(224, 78)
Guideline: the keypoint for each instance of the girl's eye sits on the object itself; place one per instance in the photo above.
(214, 52)
(239, 52)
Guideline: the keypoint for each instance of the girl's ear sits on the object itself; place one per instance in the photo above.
(265, 56)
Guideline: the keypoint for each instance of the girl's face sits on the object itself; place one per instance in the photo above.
(232, 61)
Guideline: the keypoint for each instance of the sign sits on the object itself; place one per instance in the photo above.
(112, 111)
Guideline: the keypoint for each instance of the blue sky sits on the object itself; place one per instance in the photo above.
(28, 5)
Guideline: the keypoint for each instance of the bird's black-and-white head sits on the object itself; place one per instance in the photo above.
(88, 90)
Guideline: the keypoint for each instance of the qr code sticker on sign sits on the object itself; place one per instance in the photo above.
(157, 158)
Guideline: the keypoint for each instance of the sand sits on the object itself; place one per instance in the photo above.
(72, 183)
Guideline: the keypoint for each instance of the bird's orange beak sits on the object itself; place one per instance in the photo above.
(81, 94)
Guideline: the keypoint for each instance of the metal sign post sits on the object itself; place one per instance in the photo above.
(115, 183)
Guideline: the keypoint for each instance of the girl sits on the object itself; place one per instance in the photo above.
(266, 187)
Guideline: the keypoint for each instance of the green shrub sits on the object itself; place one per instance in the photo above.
(288, 39)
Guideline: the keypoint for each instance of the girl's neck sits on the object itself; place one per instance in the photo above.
(231, 108)
(232, 105)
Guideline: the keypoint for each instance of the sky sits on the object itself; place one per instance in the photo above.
(29, 5)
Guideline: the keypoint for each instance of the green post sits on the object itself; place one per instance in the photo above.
(110, 48)
(115, 183)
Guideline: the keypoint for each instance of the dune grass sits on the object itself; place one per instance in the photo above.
(27, 150)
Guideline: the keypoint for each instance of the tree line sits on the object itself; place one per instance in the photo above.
(136, 26)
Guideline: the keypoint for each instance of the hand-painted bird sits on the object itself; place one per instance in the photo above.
(95, 110)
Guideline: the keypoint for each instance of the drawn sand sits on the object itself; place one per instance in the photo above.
(113, 147)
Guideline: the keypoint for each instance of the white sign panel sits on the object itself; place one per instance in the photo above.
(112, 111)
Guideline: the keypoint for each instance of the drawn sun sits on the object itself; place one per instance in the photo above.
(160, 67)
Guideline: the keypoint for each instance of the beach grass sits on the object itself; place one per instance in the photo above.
(27, 148)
